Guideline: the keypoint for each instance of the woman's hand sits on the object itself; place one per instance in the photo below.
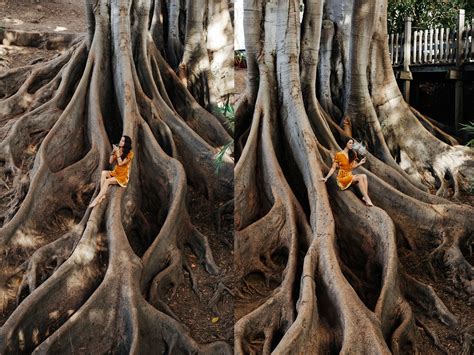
(324, 179)
(362, 161)
(113, 154)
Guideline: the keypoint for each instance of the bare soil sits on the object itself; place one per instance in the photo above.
(16, 56)
(43, 15)
(205, 322)
(452, 338)
(52, 16)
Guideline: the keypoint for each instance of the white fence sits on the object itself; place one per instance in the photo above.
(433, 46)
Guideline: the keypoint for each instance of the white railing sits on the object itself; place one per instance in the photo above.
(433, 46)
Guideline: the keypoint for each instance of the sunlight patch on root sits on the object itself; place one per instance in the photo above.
(77, 276)
(42, 75)
(45, 261)
(449, 165)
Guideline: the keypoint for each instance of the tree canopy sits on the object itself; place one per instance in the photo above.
(426, 13)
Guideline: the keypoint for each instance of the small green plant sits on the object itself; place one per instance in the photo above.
(227, 110)
(469, 129)
(219, 157)
(240, 59)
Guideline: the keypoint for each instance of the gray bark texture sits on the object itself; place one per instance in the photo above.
(319, 271)
(80, 280)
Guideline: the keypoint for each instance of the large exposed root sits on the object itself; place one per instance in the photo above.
(343, 253)
(97, 279)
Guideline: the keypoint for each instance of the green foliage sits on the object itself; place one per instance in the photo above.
(228, 111)
(426, 13)
(220, 155)
(240, 59)
(469, 129)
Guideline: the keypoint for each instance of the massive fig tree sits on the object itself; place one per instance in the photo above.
(75, 279)
(319, 271)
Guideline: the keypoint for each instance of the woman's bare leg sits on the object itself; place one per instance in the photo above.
(364, 187)
(101, 196)
(363, 180)
(104, 175)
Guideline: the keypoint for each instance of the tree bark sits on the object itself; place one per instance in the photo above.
(319, 271)
(198, 45)
(76, 279)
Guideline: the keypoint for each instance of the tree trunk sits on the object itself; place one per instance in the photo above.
(76, 279)
(198, 45)
(319, 270)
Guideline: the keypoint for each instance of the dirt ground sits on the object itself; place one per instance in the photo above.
(205, 322)
(43, 16)
(451, 338)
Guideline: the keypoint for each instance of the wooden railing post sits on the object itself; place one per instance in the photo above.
(435, 46)
(405, 74)
(458, 93)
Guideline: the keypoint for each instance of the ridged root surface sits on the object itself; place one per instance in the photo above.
(319, 271)
(96, 279)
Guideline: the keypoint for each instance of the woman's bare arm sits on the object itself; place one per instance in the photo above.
(359, 163)
(113, 156)
(333, 168)
(121, 162)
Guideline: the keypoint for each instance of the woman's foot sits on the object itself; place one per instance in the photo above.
(96, 201)
(93, 203)
(368, 202)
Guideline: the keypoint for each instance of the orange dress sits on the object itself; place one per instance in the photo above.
(344, 175)
(122, 172)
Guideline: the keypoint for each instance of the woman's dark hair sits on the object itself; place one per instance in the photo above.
(127, 147)
(352, 153)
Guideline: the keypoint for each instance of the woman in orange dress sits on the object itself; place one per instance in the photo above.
(123, 156)
(345, 160)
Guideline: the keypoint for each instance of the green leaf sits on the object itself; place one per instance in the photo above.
(220, 155)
